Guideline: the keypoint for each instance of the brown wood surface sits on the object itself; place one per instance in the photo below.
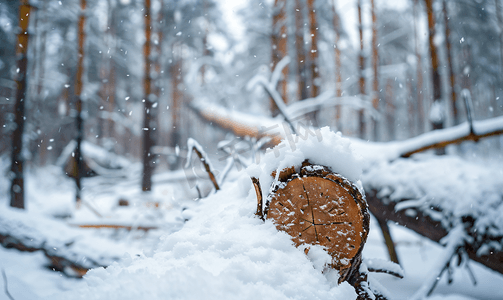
(319, 207)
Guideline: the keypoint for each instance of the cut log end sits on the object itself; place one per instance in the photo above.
(319, 207)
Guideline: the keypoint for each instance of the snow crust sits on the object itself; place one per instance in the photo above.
(223, 252)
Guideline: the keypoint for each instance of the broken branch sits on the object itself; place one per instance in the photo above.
(194, 145)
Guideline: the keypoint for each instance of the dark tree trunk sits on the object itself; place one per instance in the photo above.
(452, 76)
(301, 50)
(148, 166)
(17, 184)
(79, 103)
(435, 74)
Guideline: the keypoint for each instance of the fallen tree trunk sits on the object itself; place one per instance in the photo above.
(69, 250)
(58, 263)
(417, 221)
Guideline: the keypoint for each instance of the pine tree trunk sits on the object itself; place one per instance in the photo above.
(419, 70)
(437, 87)
(17, 163)
(177, 98)
(361, 115)
(338, 71)
(375, 64)
(79, 103)
(148, 166)
(313, 53)
(279, 49)
(499, 17)
(301, 51)
(452, 76)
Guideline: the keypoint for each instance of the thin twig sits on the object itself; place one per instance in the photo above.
(207, 168)
(6, 287)
(258, 191)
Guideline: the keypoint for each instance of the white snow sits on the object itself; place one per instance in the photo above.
(320, 146)
(223, 252)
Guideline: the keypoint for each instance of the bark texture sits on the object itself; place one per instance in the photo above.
(148, 167)
(17, 162)
(279, 49)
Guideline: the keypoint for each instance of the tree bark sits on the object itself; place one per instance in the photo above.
(313, 53)
(435, 74)
(452, 76)
(419, 71)
(499, 17)
(338, 71)
(279, 49)
(148, 167)
(301, 51)
(17, 162)
(176, 69)
(375, 64)
(79, 102)
(361, 57)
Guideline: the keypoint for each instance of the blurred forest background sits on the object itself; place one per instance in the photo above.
(127, 70)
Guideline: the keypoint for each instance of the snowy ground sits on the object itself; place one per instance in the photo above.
(222, 252)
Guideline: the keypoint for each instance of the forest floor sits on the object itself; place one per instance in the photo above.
(28, 276)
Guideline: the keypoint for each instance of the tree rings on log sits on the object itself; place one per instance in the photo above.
(319, 207)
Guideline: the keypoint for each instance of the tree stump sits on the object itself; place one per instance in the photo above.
(319, 207)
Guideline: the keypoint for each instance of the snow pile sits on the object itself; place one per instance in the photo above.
(225, 252)
(320, 146)
(446, 188)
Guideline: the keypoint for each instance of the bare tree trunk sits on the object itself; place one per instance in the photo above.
(361, 115)
(148, 166)
(437, 123)
(177, 97)
(419, 69)
(375, 64)
(205, 40)
(301, 50)
(279, 48)
(313, 53)
(79, 103)
(390, 109)
(449, 62)
(338, 71)
(17, 184)
(499, 17)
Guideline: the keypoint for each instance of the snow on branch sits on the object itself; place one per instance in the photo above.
(384, 266)
(454, 135)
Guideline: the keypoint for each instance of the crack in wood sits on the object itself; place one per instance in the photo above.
(312, 213)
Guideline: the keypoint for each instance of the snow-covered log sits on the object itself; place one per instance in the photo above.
(69, 250)
(434, 195)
